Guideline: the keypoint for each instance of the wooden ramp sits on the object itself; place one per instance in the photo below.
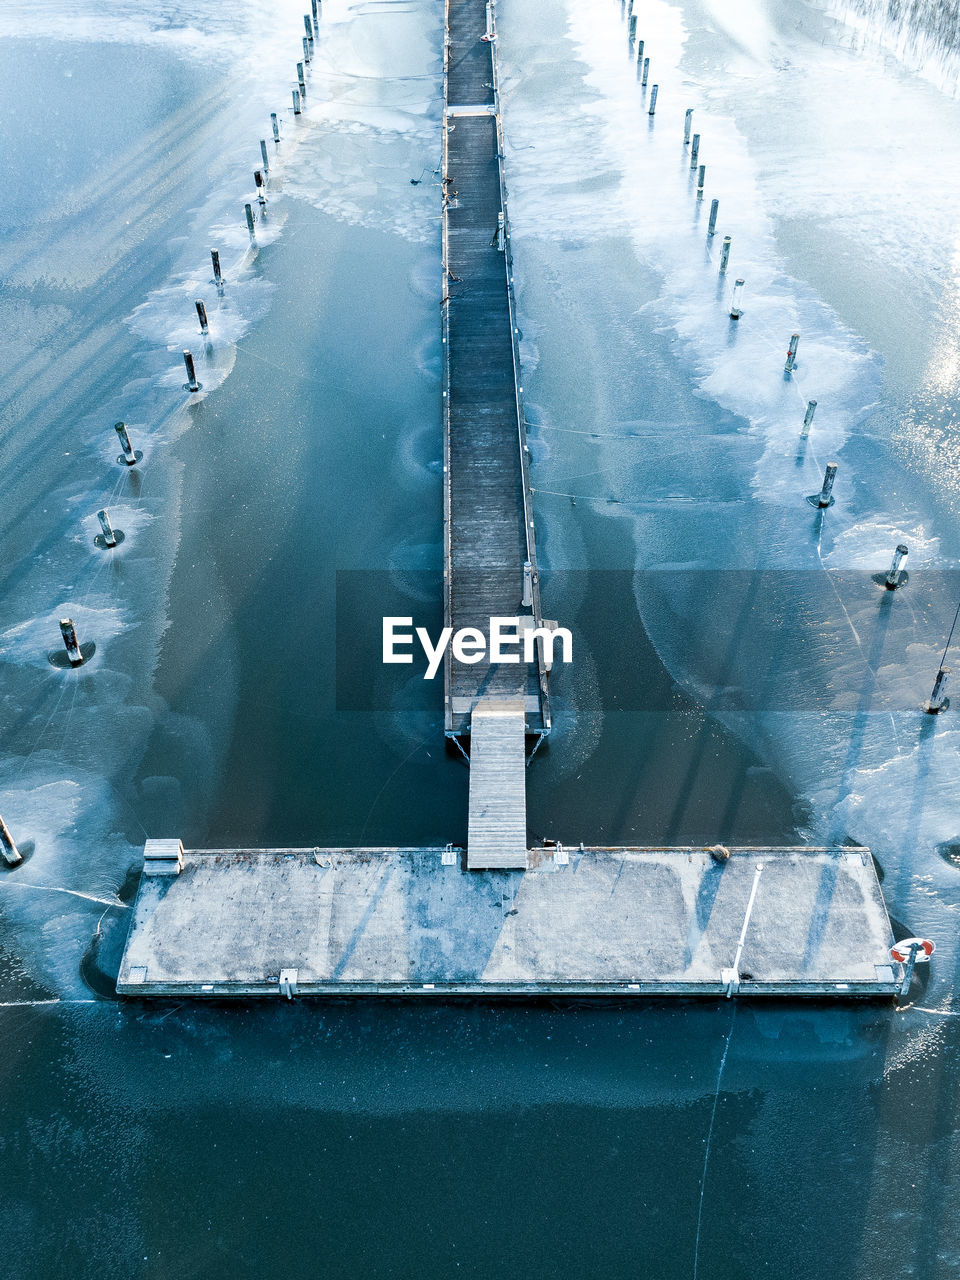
(497, 832)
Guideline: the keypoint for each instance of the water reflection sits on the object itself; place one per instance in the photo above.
(924, 34)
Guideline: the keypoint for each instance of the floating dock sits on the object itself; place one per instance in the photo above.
(500, 918)
(490, 553)
(623, 922)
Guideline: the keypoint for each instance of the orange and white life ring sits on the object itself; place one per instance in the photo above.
(900, 951)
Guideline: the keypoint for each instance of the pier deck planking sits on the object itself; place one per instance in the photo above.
(489, 533)
(497, 831)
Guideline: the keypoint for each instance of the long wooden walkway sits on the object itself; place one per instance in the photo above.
(490, 561)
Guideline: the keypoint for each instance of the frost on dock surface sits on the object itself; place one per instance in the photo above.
(399, 921)
(497, 835)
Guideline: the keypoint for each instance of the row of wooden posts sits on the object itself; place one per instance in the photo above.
(824, 499)
(109, 537)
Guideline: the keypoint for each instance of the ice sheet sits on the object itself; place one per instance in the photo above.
(137, 138)
(843, 228)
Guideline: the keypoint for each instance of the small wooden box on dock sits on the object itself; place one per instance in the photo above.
(162, 858)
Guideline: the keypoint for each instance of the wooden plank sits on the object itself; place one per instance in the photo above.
(497, 831)
(470, 58)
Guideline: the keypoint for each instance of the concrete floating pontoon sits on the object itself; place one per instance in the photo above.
(594, 921)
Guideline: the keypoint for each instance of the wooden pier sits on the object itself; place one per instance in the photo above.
(490, 555)
(505, 919)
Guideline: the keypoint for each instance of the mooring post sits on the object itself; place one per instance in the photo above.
(892, 580)
(792, 353)
(824, 498)
(129, 456)
(11, 854)
(640, 44)
(653, 99)
(306, 49)
(302, 82)
(263, 155)
(296, 103)
(909, 968)
(687, 124)
(261, 193)
(69, 633)
(714, 210)
(938, 699)
(646, 70)
(724, 254)
(308, 26)
(109, 537)
(248, 210)
(191, 383)
(736, 311)
(633, 28)
(701, 178)
(694, 150)
(202, 316)
(217, 274)
(316, 16)
(276, 126)
(808, 418)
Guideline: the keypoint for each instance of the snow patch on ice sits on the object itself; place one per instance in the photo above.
(123, 516)
(861, 545)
